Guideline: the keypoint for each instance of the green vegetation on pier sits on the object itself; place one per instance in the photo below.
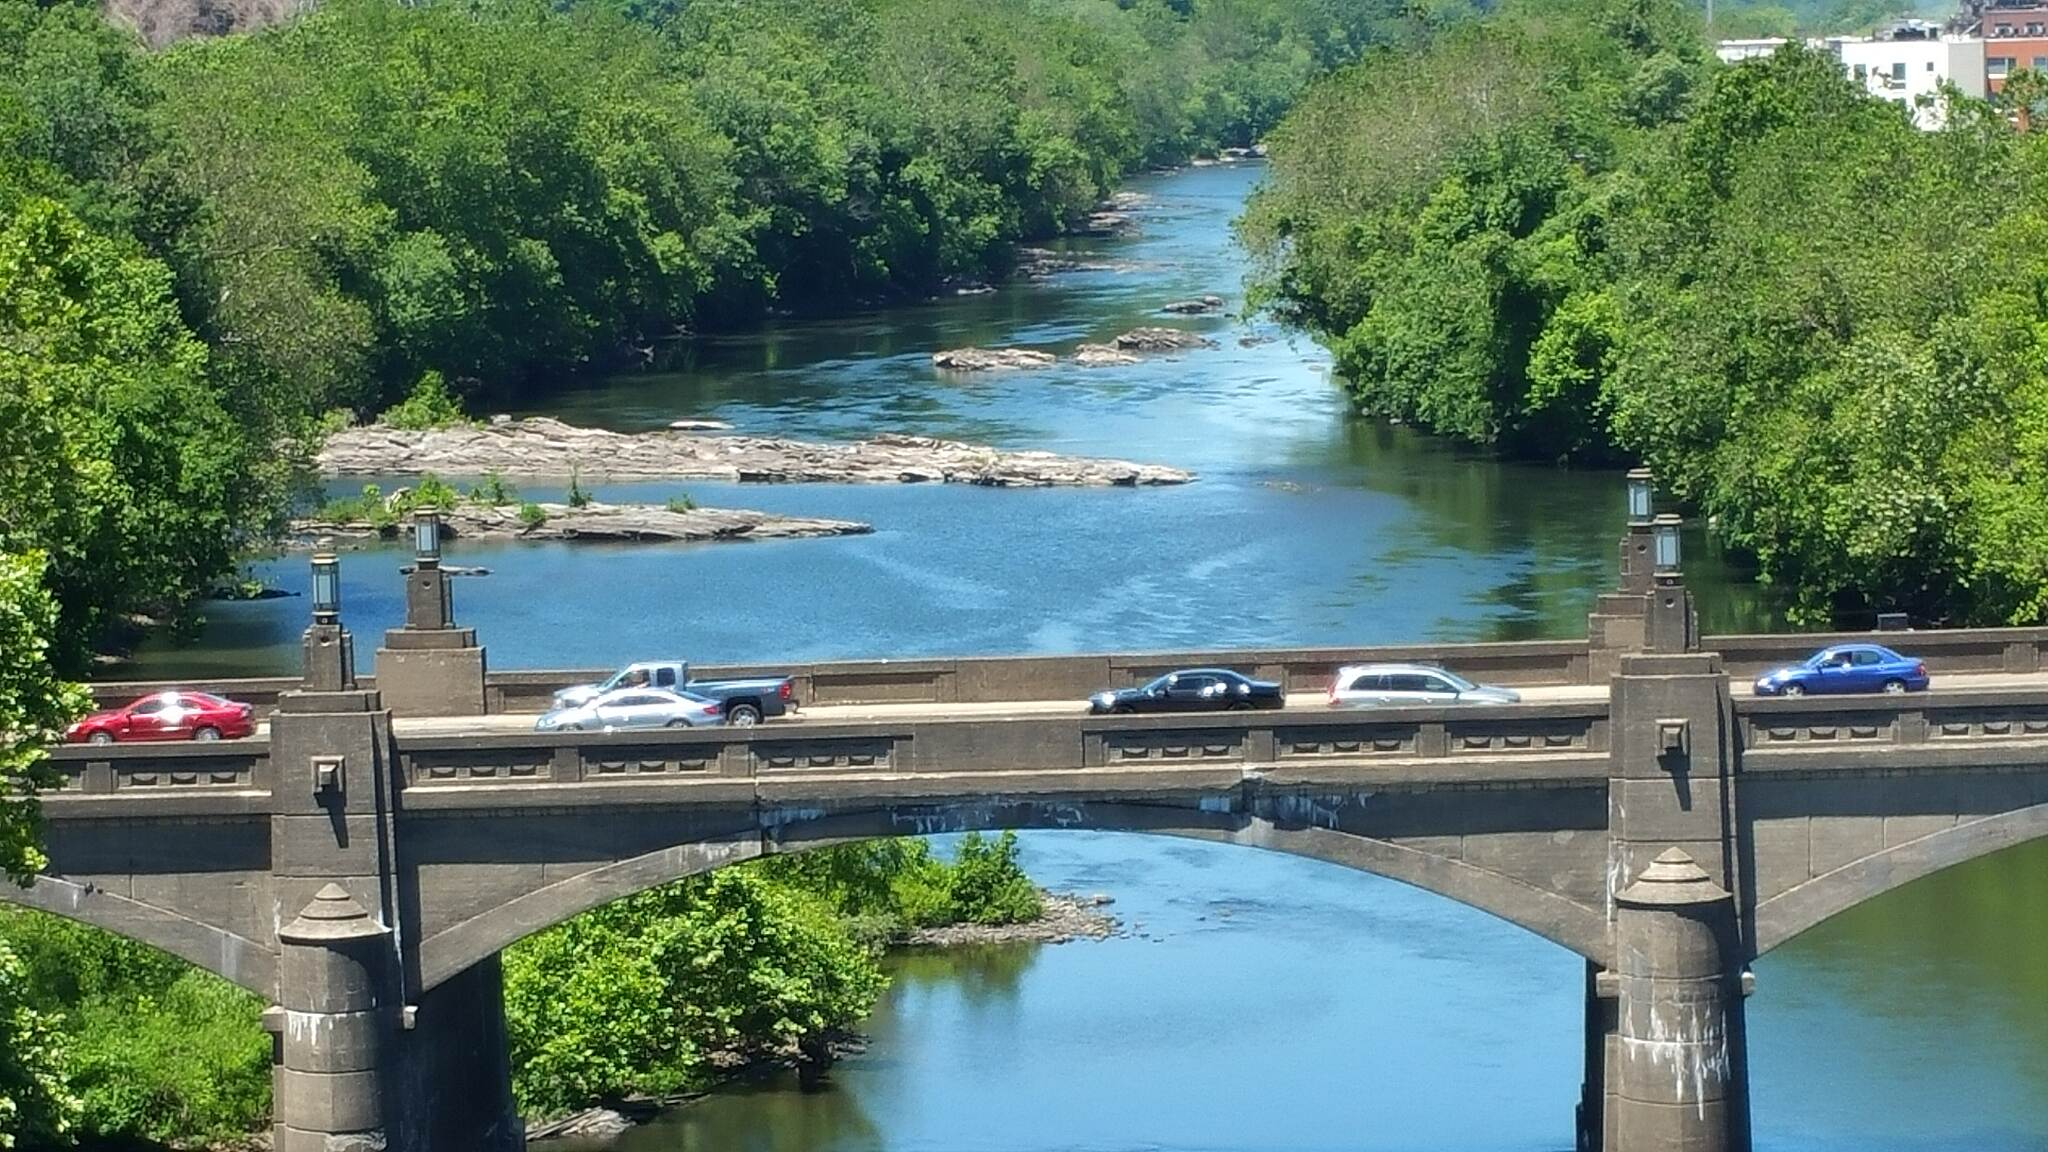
(1567, 231)
(105, 1040)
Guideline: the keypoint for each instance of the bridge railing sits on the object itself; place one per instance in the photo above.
(1533, 741)
(109, 778)
(995, 679)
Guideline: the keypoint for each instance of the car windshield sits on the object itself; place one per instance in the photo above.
(1457, 681)
(1161, 684)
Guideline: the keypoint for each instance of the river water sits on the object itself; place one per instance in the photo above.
(1263, 1002)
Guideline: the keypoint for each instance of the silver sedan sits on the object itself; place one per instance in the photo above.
(631, 708)
(1367, 684)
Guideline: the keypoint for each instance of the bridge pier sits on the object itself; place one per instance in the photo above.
(335, 992)
(365, 1062)
(1676, 1075)
(454, 1069)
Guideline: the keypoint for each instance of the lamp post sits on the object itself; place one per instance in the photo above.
(428, 606)
(1664, 537)
(326, 586)
(1671, 626)
(329, 656)
(426, 537)
(1635, 542)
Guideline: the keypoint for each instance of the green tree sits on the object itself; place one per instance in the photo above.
(36, 1107)
(119, 462)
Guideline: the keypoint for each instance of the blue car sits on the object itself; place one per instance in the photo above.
(1846, 668)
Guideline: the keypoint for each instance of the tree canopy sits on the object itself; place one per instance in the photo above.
(1568, 232)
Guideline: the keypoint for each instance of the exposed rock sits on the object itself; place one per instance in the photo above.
(459, 570)
(1067, 917)
(1102, 355)
(1109, 222)
(644, 523)
(501, 418)
(1195, 307)
(1161, 340)
(1042, 262)
(1124, 201)
(984, 359)
(700, 425)
(544, 447)
(1254, 340)
(589, 1124)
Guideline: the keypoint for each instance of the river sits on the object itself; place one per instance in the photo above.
(1263, 1002)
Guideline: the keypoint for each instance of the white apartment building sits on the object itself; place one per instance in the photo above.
(1736, 51)
(1911, 70)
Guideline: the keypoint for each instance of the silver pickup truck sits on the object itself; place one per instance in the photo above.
(746, 702)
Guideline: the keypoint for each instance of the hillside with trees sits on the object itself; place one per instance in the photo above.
(1569, 233)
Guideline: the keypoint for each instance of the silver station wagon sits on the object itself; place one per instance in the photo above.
(1363, 685)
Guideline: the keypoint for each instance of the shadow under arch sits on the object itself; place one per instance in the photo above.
(236, 959)
(1808, 905)
(1565, 922)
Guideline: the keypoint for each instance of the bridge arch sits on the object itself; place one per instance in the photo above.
(1807, 905)
(1556, 918)
(233, 958)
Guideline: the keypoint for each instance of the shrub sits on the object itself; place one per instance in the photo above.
(578, 497)
(987, 885)
(682, 503)
(430, 405)
(36, 1107)
(532, 515)
(494, 491)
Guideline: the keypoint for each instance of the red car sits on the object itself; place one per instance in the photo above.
(167, 716)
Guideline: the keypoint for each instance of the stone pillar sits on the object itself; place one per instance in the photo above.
(430, 667)
(335, 992)
(1679, 1079)
(1616, 626)
(1671, 623)
(455, 1069)
(1671, 765)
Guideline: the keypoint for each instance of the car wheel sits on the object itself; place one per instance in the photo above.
(1241, 706)
(570, 728)
(208, 735)
(678, 724)
(1894, 687)
(1794, 689)
(100, 738)
(743, 716)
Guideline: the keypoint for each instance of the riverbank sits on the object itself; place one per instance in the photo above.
(594, 522)
(544, 447)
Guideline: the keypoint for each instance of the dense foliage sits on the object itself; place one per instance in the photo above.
(661, 991)
(1567, 232)
(150, 1047)
(402, 207)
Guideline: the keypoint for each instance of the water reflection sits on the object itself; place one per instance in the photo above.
(1915, 1021)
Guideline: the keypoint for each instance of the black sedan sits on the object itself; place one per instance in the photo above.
(1192, 690)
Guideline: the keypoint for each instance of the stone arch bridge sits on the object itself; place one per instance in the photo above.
(362, 867)
(257, 859)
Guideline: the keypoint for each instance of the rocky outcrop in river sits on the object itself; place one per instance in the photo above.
(539, 446)
(641, 523)
(984, 359)
(1198, 306)
(1161, 340)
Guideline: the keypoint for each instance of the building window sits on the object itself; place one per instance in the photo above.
(2034, 29)
(1899, 71)
(2041, 63)
(1930, 65)
(1997, 67)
